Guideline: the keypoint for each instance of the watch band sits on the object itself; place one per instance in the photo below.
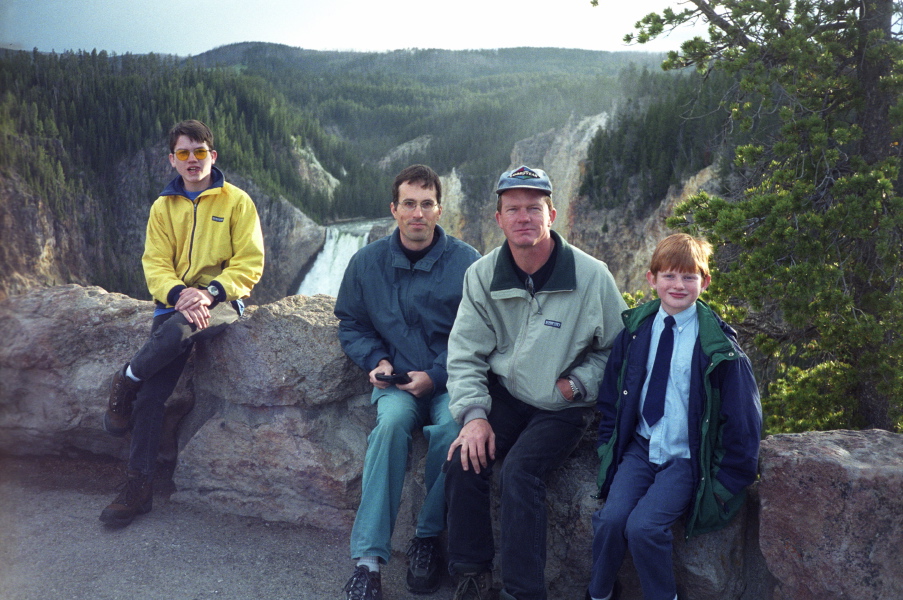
(575, 391)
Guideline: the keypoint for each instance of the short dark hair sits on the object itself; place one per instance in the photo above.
(421, 174)
(194, 130)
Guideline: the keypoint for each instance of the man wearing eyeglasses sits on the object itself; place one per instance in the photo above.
(525, 359)
(396, 306)
(203, 254)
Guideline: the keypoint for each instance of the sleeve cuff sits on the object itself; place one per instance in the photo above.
(439, 377)
(379, 360)
(475, 412)
(173, 296)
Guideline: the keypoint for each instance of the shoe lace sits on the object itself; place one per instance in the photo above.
(469, 588)
(362, 586)
(121, 388)
(118, 390)
(421, 552)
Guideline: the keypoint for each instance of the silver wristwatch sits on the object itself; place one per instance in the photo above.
(575, 391)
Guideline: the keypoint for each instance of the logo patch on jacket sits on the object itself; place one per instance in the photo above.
(526, 173)
(551, 323)
(218, 219)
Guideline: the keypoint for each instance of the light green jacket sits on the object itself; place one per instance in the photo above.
(529, 343)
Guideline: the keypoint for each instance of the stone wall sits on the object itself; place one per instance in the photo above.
(279, 428)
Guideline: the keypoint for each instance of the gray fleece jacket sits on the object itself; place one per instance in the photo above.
(567, 329)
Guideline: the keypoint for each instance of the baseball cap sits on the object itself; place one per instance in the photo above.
(524, 177)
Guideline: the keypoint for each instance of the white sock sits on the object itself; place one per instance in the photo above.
(129, 374)
(371, 562)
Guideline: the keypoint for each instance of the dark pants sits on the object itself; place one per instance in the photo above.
(533, 443)
(159, 364)
(644, 502)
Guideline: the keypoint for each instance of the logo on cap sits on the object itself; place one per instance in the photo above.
(524, 173)
(524, 177)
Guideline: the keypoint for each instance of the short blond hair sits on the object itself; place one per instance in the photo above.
(681, 253)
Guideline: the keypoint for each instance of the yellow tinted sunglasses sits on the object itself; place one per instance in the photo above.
(199, 153)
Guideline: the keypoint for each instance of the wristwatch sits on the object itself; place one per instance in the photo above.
(575, 391)
(214, 291)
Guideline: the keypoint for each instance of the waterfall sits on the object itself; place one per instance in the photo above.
(342, 241)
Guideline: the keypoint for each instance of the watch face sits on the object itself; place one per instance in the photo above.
(213, 291)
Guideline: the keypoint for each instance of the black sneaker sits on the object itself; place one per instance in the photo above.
(117, 419)
(363, 585)
(424, 565)
(136, 498)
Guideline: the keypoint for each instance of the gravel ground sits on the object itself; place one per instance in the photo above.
(53, 547)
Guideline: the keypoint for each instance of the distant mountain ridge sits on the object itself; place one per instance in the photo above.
(434, 66)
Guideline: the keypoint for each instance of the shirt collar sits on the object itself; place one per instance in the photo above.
(681, 319)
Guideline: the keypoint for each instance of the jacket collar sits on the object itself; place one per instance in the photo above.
(563, 278)
(176, 187)
(715, 335)
(400, 261)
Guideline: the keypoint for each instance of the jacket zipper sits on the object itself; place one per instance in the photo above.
(194, 224)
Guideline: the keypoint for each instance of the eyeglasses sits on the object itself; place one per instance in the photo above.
(427, 206)
(199, 153)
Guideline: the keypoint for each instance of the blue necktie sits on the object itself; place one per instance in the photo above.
(654, 405)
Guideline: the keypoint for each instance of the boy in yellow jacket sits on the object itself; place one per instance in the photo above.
(203, 254)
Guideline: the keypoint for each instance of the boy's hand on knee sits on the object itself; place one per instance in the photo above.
(194, 303)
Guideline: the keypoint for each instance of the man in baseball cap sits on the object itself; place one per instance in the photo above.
(526, 356)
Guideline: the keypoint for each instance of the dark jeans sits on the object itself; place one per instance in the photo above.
(533, 443)
(644, 502)
(159, 364)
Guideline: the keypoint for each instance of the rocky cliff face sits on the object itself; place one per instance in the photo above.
(624, 237)
(279, 432)
(291, 241)
(557, 151)
(34, 242)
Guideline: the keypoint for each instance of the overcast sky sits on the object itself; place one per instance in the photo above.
(186, 27)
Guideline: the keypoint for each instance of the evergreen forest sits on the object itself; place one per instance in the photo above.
(668, 127)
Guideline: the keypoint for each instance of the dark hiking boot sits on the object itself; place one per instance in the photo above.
(475, 586)
(117, 419)
(136, 498)
(363, 585)
(424, 565)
